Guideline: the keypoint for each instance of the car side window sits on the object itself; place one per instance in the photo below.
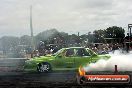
(82, 52)
(69, 52)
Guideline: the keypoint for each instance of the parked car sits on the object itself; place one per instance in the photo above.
(65, 59)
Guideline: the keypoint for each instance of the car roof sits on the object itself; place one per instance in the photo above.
(73, 47)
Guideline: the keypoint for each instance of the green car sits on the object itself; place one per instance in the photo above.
(65, 59)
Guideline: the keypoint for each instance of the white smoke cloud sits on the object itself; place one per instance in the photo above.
(123, 62)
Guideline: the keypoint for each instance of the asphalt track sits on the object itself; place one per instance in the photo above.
(20, 79)
(12, 75)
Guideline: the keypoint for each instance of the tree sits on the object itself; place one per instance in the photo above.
(73, 39)
(117, 33)
(45, 36)
(99, 36)
(25, 40)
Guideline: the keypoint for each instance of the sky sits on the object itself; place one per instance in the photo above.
(69, 16)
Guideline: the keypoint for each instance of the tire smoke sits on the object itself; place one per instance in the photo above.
(123, 62)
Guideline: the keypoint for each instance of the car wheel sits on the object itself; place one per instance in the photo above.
(80, 80)
(44, 67)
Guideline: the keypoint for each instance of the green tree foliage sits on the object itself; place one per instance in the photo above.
(45, 36)
(114, 32)
(25, 40)
(117, 33)
(99, 36)
(53, 36)
(59, 38)
(73, 39)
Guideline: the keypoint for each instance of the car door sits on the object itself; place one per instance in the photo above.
(82, 57)
(69, 58)
(65, 60)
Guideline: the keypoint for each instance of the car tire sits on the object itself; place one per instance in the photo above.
(43, 67)
(80, 80)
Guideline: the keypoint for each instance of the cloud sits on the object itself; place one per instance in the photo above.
(64, 15)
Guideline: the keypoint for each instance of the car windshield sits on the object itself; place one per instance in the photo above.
(91, 52)
(57, 52)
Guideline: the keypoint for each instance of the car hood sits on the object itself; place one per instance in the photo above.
(107, 56)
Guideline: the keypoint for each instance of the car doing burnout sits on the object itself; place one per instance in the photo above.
(64, 59)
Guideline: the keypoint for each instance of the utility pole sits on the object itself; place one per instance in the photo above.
(78, 34)
(31, 29)
(129, 29)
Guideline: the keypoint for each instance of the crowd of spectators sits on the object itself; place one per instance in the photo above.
(105, 48)
(98, 48)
